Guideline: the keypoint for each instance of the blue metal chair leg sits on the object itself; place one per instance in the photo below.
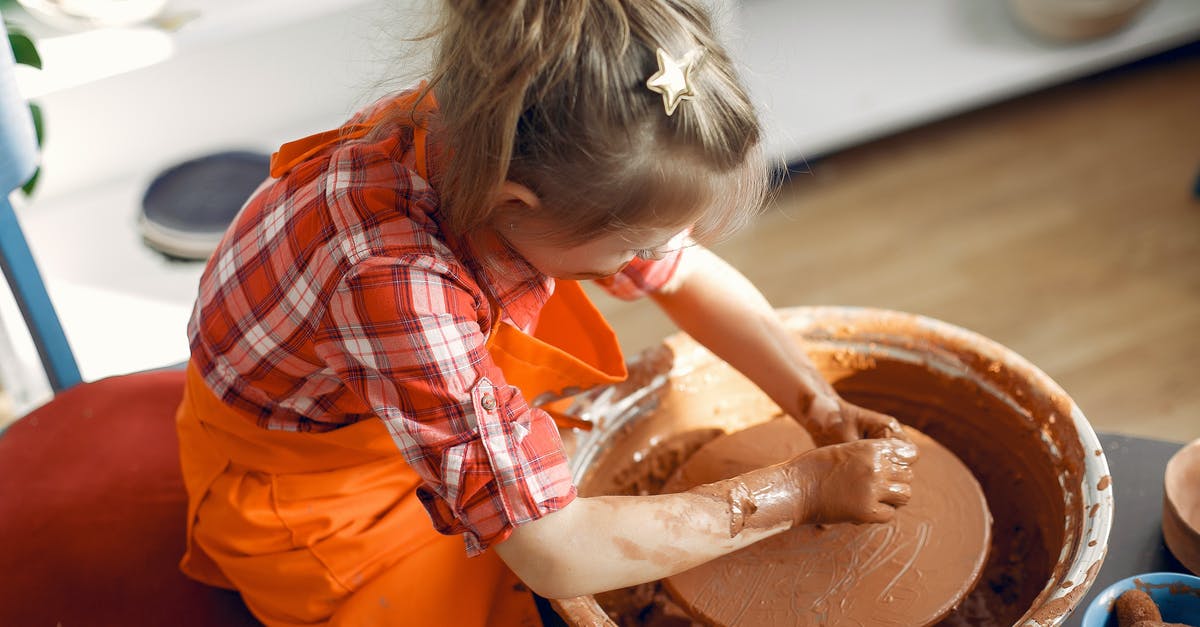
(17, 263)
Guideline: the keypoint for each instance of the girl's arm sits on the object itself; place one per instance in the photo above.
(603, 543)
(721, 309)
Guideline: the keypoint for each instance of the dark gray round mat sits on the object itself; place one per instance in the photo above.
(187, 207)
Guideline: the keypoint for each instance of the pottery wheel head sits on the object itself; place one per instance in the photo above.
(911, 571)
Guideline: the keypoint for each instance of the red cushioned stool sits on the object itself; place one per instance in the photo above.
(92, 512)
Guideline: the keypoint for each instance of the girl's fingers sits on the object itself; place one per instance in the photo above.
(882, 512)
(896, 494)
(881, 426)
(901, 473)
(902, 452)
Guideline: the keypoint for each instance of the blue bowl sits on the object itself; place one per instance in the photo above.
(1177, 596)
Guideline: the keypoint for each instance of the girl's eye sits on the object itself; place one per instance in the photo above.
(647, 254)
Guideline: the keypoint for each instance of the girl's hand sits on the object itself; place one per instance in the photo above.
(833, 420)
(859, 482)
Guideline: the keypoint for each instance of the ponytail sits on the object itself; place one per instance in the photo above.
(489, 55)
(552, 94)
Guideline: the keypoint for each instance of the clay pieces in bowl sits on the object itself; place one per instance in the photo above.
(911, 571)
(1181, 507)
(1175, 595)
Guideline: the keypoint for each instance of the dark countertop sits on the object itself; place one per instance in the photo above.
(1135, 545)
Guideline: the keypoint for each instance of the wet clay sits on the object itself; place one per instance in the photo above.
(1018, 442)
(1005, 446)
(911, 571)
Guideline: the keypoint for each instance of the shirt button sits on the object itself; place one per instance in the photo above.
(488, 402)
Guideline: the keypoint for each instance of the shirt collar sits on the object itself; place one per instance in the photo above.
(509, 282)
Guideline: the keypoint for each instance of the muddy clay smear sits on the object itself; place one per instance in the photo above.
(992, 420)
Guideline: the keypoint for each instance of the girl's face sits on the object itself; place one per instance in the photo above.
(595, 258)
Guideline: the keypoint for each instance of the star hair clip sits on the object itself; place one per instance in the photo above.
(674, 78)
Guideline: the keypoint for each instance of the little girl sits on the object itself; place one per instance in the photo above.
(380, 340)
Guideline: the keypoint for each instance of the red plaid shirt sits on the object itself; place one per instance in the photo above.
(334, 298)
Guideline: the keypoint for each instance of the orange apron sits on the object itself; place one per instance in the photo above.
(326, 528)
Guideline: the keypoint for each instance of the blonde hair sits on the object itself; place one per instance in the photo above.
(552, 94)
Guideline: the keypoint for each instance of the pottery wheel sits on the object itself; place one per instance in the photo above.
(911, 571)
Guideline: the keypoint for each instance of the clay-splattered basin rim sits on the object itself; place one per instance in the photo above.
(891, 334)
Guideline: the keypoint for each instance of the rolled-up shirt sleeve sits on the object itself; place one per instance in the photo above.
(405, 335)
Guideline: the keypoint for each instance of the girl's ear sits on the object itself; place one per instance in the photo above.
(514, 204)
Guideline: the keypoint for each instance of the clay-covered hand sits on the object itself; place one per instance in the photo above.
(833, 420)
(860, 482)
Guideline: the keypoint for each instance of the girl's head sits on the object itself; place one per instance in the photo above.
(554, 134)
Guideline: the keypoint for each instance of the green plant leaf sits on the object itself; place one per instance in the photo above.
(31, 184)
(24, 51)
(39, 124)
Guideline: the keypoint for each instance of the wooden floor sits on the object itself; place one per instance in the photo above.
(1060, 224)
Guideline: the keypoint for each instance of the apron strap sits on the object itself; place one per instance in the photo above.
(296, 152)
